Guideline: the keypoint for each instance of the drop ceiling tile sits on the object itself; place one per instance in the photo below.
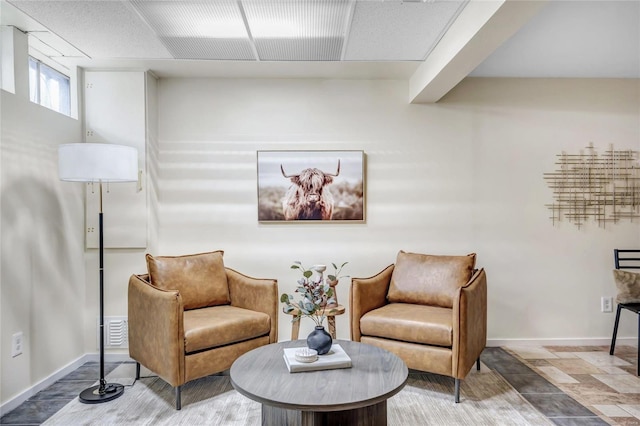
(297, 19)
(209, 48)
(398, 31)
(305, 49)
(298, 30)
(197, 29)
(106, 29)
(219, 19)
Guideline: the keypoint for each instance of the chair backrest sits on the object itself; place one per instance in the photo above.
(424, 279)
(200, 278)
(626, 259)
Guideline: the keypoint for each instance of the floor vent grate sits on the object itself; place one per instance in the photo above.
(116, 332)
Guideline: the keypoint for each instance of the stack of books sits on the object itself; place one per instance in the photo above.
(335, 358)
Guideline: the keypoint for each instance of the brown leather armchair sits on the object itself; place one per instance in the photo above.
(431, 311)
(191, 317)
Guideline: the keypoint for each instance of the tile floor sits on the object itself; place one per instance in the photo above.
(605, 385)
(571, 385)
(37, 409)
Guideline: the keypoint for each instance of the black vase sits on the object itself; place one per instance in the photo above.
(319, 340)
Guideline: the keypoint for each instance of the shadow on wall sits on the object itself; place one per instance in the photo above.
(42, 282)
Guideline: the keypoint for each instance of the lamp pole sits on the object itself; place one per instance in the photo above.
(99, 162)
(104, 391)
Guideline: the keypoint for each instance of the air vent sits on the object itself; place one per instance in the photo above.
(116, 332)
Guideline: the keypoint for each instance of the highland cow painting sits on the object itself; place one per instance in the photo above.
(325, 186)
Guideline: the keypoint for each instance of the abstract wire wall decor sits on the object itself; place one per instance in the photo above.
(605, 188)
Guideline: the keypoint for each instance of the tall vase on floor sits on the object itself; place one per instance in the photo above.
(320, 340)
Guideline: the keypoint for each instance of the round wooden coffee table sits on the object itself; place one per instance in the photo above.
(349, 396)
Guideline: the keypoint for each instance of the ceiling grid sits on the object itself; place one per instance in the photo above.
(371, 39)
(254, 30)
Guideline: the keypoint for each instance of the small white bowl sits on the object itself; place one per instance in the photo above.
(306, 355)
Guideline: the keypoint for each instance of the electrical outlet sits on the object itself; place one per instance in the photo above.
(16, 344)
(606, 304)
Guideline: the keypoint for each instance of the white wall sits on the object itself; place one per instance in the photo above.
(123, 204)
(42, 287)
(459, 176)
(50, 282)
(464, 175)
(546, 281)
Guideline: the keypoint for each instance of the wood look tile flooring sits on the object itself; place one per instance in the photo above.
(606, 385)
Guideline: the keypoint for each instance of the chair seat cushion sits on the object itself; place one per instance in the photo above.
(429, 325)
(215, 326)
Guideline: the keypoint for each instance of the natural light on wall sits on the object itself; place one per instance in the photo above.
(48, 87)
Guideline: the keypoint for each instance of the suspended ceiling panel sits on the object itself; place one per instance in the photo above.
(209, 48)
(312, 30)
(107, 29)
(249, 30)
(198, 30)
(298, 31)
(398, 31)
(578, 38)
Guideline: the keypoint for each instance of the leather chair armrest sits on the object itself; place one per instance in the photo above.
(156, 329)
(365, 295)
(469, 324)
(256, 294)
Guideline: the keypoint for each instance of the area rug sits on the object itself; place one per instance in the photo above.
(427, 399)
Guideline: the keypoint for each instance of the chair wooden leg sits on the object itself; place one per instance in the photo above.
(137, 371)
(478, 364)
(615, 330)
(295, 328)
(178, 398)
(457, 391)
(331, 320)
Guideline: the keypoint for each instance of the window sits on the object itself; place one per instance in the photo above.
(48, 87)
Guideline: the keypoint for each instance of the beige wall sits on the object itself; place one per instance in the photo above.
(42, 286)
(459, 176)
(462, 175)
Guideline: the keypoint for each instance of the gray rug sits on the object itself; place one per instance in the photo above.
(427, 399)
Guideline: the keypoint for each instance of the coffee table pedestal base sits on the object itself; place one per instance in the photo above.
(373, 415)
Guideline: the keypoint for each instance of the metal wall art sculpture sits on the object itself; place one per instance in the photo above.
(605, 188)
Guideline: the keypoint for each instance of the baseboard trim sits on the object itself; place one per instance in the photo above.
(59, 374)
(108, 358)
(627, 341)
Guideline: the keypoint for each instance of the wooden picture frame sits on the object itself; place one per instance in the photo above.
(311, 186)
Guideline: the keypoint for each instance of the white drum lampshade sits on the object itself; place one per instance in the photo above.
(97, 162)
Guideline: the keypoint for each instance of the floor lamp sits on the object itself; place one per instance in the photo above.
(99, 163)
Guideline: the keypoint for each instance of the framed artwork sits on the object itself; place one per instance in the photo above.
(324, 186)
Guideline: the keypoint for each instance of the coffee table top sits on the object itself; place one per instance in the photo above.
(375, 376)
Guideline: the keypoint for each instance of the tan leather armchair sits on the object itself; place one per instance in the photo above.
(191, 317)
(431, 311)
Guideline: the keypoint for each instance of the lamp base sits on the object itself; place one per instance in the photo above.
(92, 395)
